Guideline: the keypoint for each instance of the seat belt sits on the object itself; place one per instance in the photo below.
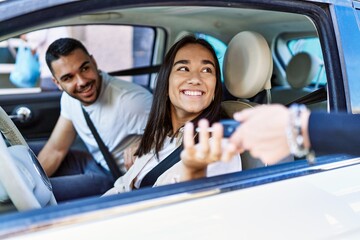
(110, 161)
(136, 71)
(151, 177)
(317, 96)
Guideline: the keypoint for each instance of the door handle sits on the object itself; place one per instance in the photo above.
(22, 114)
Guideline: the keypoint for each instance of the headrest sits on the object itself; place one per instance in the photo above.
(301, 69)
(248, 65)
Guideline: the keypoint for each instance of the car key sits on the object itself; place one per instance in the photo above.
(229, 126)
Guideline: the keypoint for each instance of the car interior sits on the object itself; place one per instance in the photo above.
(268, 56)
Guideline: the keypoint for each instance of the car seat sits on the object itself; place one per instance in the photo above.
(248, 67)
(300, 71)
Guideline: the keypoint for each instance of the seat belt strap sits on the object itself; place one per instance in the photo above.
(315, 97)
(151, 177)
(114, 169)
(136, 71)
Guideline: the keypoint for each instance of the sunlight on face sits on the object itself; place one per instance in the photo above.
(192, 81)
(77, 75)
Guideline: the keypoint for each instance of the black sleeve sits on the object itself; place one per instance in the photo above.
(334, 133)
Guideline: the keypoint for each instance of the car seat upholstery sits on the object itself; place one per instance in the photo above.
(248, 67)
(301, 69)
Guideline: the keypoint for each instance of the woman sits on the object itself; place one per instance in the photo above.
(188, 89)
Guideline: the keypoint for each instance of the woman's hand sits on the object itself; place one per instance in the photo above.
(196, 158)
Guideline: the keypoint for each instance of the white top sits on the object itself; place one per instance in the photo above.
(121, 109)
(213, 169)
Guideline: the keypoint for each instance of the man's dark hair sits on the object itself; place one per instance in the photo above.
(62, 47)
(159, 124)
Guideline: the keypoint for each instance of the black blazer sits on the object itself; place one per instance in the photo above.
(334, 133)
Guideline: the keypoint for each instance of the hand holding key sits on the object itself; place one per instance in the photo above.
(196, 158)
(229, 127)
(263, 132)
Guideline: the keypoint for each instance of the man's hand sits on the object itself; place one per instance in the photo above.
(58, 145)
(263, 132)
(129, 153)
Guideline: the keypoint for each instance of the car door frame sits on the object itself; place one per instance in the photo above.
(320, 14)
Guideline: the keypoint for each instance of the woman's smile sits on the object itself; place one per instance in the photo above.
(192, 81)
(193, 92)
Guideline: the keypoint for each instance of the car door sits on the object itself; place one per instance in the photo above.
(34, 110)
(35, 114)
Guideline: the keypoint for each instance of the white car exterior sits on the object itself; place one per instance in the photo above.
(288, 201)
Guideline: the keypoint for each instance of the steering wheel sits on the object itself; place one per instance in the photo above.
(21, 175)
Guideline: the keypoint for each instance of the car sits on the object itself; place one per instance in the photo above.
(284, 51)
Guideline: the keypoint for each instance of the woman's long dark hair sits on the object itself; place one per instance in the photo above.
(159, 124)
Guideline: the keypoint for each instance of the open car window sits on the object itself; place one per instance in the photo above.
(300, 70)
(311, 46)
(115, 47)
(136, 36)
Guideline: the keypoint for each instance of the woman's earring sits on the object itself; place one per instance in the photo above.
(213, 97)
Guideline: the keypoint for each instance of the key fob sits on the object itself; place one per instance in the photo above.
(230, 126)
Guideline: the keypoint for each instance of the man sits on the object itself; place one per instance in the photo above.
(117, 108)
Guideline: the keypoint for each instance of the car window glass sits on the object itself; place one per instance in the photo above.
(218, 45)
(311, 46)
(114, 48)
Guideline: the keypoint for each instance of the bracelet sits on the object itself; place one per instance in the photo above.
(294, 134)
